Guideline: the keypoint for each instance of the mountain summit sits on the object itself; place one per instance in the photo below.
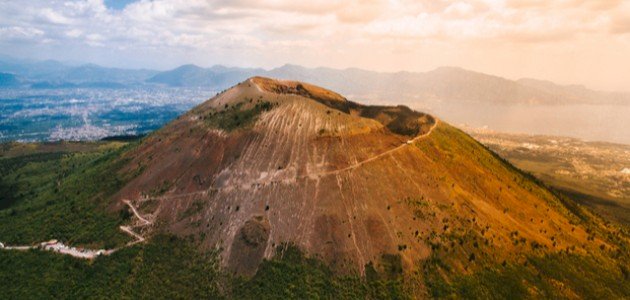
(283, 189)
(271, 163)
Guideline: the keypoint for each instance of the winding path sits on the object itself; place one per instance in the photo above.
(390, 151)
(128, 229)
(312, 175)
(61, 248)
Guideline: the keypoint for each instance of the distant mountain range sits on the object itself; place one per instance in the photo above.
(444, 84)
(8, 80)
(216, 77)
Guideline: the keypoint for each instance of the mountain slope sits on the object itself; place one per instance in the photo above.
(293, 191)
(270, 162)
(8, 80)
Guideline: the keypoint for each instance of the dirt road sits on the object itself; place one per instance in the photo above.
(61, 248)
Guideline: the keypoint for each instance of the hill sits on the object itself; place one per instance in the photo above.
(8, 80)
(448, 84)
(54, 73)
(91, 73)
(217, 77)
(291, 190)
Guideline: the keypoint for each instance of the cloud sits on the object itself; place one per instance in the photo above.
(361, 11)
(599, 4)
(621, 25)
(188, 23)
(20, 33)
(367, 33)
(74, 33)
(528, 4)
(53, 17)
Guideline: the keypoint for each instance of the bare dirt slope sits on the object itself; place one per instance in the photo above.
(270, 162)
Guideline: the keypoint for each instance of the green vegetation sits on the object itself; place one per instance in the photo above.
(10, 190)
(459, 269)
(161, 189)
(234, 117)
(194, 208)
(173, 268)
(291, 275)
(166, 268)
(61, 196)
(548, 277)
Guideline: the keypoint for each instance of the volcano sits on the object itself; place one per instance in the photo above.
(270, 163)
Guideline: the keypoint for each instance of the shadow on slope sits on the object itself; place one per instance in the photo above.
(397, 119)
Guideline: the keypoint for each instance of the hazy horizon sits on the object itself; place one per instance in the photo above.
(82, 63)
(567, 42)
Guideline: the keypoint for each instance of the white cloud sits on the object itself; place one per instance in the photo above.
(20, 33)
(459, 9)
(350, 33)
(189, 23)
(54, 17)
(74, 33)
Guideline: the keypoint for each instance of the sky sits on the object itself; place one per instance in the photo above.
(566, 41)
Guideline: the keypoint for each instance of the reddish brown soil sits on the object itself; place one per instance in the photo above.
(334, 178)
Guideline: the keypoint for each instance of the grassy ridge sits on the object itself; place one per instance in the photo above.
(533, 274)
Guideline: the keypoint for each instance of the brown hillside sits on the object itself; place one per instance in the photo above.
(270, 162)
